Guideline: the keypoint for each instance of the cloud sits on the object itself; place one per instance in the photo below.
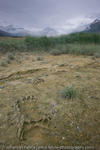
(64, 15)
(74, 24)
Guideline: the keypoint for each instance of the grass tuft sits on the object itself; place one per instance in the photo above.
(68, 92)
(3, 63)
(39, 58)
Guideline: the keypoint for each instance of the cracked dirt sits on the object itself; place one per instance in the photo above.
(32, 110)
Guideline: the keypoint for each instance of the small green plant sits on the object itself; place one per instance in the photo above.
(68, 92)
(3, 63)
(39, 58)
(10, 56)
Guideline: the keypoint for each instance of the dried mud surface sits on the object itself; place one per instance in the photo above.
(32, 112)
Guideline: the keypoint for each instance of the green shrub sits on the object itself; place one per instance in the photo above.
(68, 92)
(77, 43)
(12, 44)
(7, 60)
(40, 43)
(97, 55)
(76, 49)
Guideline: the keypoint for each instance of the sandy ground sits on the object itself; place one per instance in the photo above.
(32, 111)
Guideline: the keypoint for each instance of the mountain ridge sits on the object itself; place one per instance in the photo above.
(94, 27)
(4, 34)
(11, 30)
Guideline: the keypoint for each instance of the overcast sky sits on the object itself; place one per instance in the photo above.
(42, 13)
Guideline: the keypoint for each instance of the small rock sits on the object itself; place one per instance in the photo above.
(78, 128)
(63, 138)
(2, 87)
(61, 65)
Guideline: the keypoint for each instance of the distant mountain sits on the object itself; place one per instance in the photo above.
(4, 34)
(94, 27)
(15, 31)
(85, 26)
(11, 28)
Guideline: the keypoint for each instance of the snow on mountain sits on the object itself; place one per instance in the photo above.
(18, 31)
(94, 27)
(77, 24)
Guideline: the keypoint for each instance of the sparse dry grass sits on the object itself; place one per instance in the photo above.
(47, 118)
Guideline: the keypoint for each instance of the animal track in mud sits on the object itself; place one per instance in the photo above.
(38, 81)
(20, 120)
(27, 98)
